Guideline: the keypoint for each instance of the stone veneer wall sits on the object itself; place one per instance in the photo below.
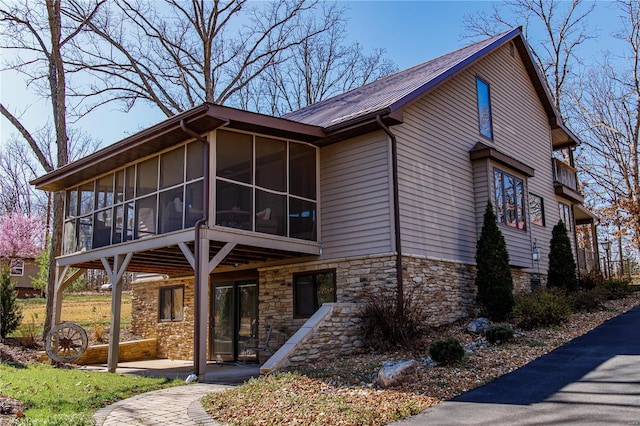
(337, 335)
(175, 338)
(445, 289)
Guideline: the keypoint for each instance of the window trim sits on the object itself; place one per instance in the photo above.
(518, 219)
(171, 290)
(480, 81)
(315, 289)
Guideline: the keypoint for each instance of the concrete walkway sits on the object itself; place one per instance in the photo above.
(592, 380)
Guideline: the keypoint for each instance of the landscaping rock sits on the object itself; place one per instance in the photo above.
(479, 326)
(395, 374)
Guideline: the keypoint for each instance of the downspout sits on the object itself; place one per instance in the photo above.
(197, 315)
(396, 214)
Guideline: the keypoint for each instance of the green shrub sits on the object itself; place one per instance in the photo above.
(10, 312)
(613, 289)
(446, 351)
(541, 308)
(588, 300)
(493, 273)
(499, 334)
(384, 327)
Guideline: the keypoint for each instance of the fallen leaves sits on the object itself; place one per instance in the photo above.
(340, 392)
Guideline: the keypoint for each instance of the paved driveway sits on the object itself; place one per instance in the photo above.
(592, 380)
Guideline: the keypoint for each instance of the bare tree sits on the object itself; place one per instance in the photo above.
(178, 54)
(564, 28)
(17, 168)
(607, 113)
(317, 68)
(38, 35)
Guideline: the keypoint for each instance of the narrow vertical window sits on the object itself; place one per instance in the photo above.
(565, 215)
(484, 108)
(536, 210)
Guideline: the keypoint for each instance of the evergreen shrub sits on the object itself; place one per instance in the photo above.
(446, 351)
(499, 334)
(562, 265)
(493, 273)
(10, 313)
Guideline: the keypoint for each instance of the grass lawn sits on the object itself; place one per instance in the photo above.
(86, 310)
(60, 396)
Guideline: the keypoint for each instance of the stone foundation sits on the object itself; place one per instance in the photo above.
(445, 290)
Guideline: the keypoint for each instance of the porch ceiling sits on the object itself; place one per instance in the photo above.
(162, 254)
(171, 261)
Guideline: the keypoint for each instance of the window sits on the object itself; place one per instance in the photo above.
(156, 195)
(17, 269)
(171, 303)
(509, 194)
(266, 185)
(484, 108)
(310, 291)
(565, 215)
(536, 210)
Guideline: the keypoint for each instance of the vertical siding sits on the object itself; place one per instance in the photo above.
(443, 195)
(355, 197)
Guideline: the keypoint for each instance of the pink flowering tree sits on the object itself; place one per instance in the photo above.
(21, 237)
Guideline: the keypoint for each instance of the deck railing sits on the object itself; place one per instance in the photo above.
(565, 174)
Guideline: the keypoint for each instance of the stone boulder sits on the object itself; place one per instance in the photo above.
(394, 374)
(479, 326)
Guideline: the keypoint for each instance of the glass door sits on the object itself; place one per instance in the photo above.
(234, 310)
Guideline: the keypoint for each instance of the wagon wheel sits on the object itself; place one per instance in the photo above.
(66, 342)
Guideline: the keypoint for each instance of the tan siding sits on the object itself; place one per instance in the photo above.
(443, 195)
(355, 200)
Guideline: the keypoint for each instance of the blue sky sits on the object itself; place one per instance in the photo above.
(412, 32)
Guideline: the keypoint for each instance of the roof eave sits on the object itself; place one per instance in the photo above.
(201, 119)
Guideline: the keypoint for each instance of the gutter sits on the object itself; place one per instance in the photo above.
(396, 214)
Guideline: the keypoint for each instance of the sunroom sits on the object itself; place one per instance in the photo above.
(213, 188)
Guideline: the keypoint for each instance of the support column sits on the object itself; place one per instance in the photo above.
(120, 264)
(201, 288)
(201, 299)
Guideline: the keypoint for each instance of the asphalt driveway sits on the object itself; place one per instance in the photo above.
(592, 380)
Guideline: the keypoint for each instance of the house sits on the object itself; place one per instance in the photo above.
(285, 224)
(21, 272)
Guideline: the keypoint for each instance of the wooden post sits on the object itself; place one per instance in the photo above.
(120, 264)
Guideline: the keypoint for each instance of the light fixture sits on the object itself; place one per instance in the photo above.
(535, 252)
(606, 245)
